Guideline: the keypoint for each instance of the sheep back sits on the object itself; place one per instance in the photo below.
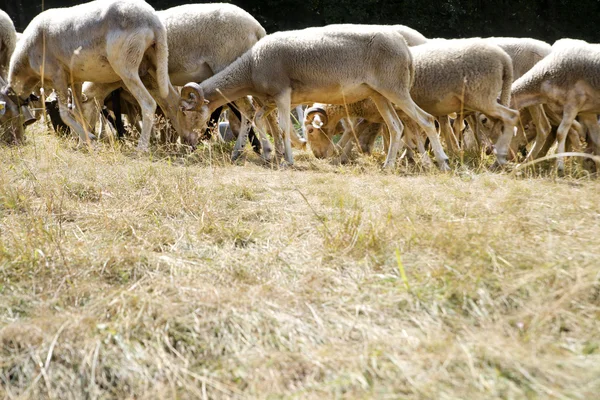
(219, 33)
(8, 41)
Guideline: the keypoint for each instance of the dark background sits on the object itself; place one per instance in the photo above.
(542, 19)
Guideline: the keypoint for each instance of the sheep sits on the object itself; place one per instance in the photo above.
(103, 41)
(203, 39)
(9, 110)
(8, 41)
(451, 76)
(567, 77)
(524, 53)
(342, 64)
(12, 117)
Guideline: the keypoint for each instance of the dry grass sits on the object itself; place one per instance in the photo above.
(187, 277)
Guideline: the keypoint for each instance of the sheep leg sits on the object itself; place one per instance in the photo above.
(95, 94)
(569, 114)
(283, 102)
(274, 128)
(244, 110)
(368, 136)
(127, 68)
(148, 105)
(395, 126)
(62, 93)
(267, 148)
(346, 151)
(348, 134)
(385, 133)
(426, 122)
(448, 134)
(508, 118)
(471, 140)
(542, 128)
(420, 143)
(245, 119)
(260, 124)
(244, 123)
(300, 112)
(593, 137)
(413, 139)
(297, 141)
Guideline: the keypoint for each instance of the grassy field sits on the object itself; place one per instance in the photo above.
(125, 276)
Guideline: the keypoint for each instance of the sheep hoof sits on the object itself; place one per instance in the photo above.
(445, 166)
(285, 165)
(496, 166)
(235, 155)
(267, 157)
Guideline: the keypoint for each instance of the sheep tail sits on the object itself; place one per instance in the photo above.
(507, 80)
(162, 60)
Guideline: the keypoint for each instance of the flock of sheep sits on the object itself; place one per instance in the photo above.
(519, 94)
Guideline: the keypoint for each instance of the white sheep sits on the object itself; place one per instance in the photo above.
(9, 111)
(11, 120)
(451, 76)
(203, 39)
(101, 41)
(524, 53)
(8, 41)
(337, 65)
(567, 77)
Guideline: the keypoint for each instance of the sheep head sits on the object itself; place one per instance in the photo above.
(13, 118)
(315, 124)
(193, 112)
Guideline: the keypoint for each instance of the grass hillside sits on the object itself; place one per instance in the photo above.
(174, 276)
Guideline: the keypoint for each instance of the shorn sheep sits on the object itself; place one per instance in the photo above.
(329, 64)
(451, 76)
(570, 78)
(102, 41)
(203, 40)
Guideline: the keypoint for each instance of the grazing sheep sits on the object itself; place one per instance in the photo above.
(13, 119)
(102, 41)
(524, 53)
(452, 76)
(8, 41)
(10, 129)
(567, 77)
(336, 65)
(203, 39)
